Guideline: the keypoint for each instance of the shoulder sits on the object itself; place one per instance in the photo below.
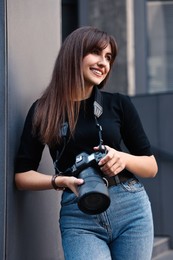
(114, 95)
(117, 98)
(30, 116)
(32, 109)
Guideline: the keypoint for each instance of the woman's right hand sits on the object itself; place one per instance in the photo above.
(69, 182)
(32, 180)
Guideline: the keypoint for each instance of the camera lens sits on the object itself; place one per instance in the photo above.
(93, 194)
(94, 203)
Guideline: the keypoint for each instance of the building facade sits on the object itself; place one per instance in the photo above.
(31, 33)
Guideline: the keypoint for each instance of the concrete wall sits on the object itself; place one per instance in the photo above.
(32, 41)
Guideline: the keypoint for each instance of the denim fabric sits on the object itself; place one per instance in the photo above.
(123, 232)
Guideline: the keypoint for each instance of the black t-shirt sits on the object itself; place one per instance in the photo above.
(119, 122)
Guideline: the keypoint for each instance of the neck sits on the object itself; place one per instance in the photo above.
(87, 94)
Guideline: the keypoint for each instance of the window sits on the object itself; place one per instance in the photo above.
(69, 17)
(160, 46)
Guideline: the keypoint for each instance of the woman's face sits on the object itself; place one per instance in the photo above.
(96, 66)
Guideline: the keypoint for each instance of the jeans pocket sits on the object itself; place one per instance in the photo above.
(133, 185)
(68, 198)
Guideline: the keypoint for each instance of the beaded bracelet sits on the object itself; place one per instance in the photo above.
(54, 183)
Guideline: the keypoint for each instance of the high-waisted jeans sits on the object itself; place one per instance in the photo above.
(123, 232)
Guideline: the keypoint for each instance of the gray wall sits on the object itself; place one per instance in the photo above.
(33, 39)
(156, 114)
(2, 133)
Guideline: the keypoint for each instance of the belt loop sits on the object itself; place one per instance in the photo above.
(117, 179)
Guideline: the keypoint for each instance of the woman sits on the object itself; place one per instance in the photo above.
(64, 119)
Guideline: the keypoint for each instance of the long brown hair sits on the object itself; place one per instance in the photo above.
(57, 103)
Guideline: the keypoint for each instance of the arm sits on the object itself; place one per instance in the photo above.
(33, 180)
(114, 162)
(139, 160)
(27, 162)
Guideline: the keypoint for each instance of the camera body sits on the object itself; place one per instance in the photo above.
(84, 160)
(93, 194)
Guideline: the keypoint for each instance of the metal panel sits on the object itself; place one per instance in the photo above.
(2, 133)
(156, 114)
(33, 42)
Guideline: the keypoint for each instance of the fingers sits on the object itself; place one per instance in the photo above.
(72, 183)
(112, 163)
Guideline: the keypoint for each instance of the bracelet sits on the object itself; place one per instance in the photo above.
(54, 183)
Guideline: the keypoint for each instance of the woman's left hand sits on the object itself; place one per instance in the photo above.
(112, 163)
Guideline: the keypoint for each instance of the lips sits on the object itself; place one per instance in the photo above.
(97, 72)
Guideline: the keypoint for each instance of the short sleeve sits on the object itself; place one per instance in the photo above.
(133, 133)
(30, 148)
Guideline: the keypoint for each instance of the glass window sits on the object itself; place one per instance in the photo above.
(160, 45)
(69, 17)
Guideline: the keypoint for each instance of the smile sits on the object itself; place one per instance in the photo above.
(97, 72)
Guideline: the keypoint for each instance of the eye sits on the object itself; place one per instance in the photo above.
(109, 57)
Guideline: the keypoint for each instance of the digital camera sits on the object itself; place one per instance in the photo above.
(93, 193)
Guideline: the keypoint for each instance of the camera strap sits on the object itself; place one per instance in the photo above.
(98, 110)
(98, 103)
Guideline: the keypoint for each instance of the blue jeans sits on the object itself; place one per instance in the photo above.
(123, 232)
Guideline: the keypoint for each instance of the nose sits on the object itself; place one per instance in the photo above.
(102, 61)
